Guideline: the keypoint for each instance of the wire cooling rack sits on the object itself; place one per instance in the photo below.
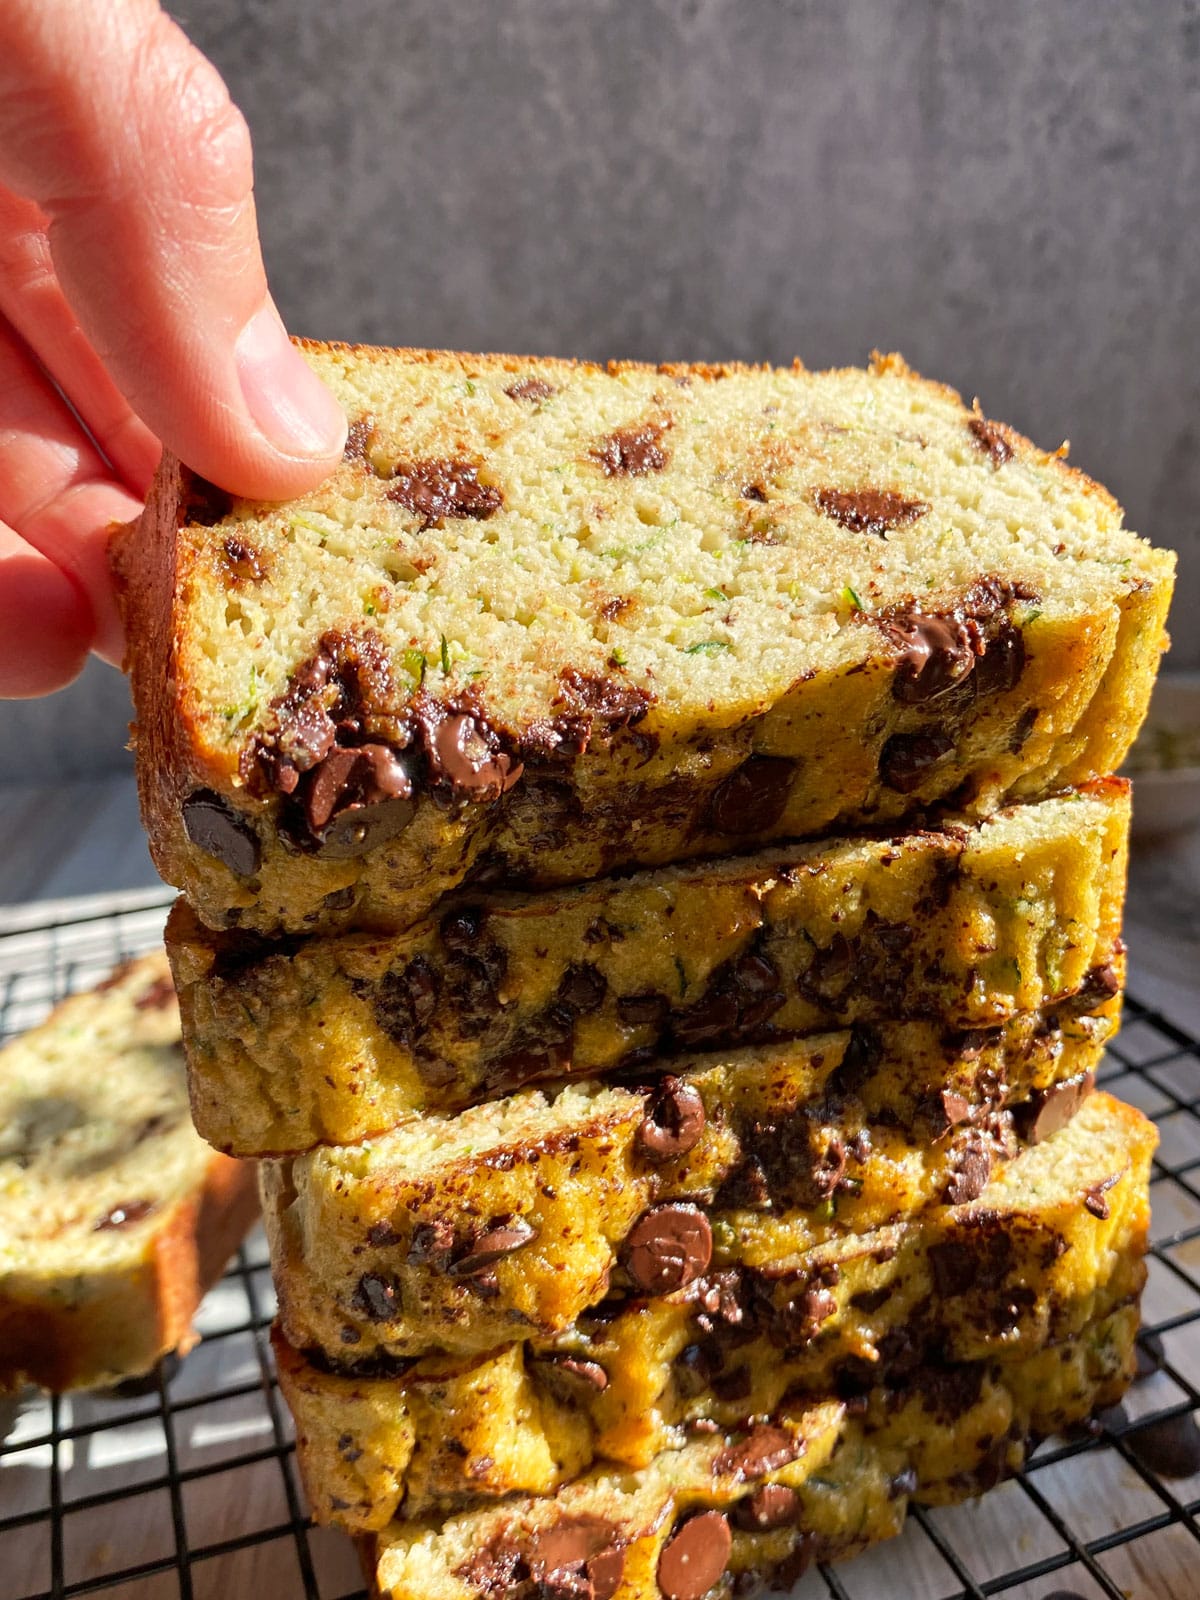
(189, 1490)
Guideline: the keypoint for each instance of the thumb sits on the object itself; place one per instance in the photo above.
(127, 139)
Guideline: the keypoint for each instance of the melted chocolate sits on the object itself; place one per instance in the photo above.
(869, 510)
(632, 452)
(444, 488)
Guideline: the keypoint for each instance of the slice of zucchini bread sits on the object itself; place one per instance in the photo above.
(550, 619)
(1027, 1264)
(114, 1216)
(511, 1220)
(336, 1038)
(813, 1483)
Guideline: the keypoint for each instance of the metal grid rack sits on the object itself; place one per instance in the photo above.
(188, 1491)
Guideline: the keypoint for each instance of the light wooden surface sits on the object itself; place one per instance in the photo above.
(226, 1423)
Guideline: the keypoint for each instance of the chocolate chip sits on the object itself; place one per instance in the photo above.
(1169, 1447)
(1022, 728)
(668, 1247)
(869, 510)
(212, 826)
(571, 1377)
(441, 488)
(242, 561)
(709, 1019)
(530, 389)
(804, 1315)
(492, 1246)
(934, 653)
(377, 1298)
(992, 438)
(674, 1121)
(405, 1002)
(970, 1180)
(461, 929)
(955, 1108)
(642, 1010)
(1095, 1199)
(907, 757)
(1049, 1110)
(753, 797)
(695, 1367)
(461, 755)
(1001, 663)
(772, 1506)
(124, 1215)
(695, 1556)
(764, 1450)
(582, 988)
(632, 452)
(357, 799)
(431, 1241)
(381, 1235)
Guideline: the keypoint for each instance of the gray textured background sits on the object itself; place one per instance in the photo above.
(1008, 194)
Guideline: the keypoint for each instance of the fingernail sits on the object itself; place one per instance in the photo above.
(287, 400)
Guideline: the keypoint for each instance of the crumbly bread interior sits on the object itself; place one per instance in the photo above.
(838, 1485)
(710, 535)
(96, 1145)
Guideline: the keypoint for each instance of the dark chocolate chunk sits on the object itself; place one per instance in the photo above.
(907, 757)
(461, 929)
(869, 510)
(571, 1376)
(491, 1246)
(1048, 1110)
(632, 452)
(441, 488)
(934, 653)
(764, 1450)
(582, 1549)
(970, 1180)
(1001, 662)
(212, 826)
(530, 389)
(668, 1246)
(431, 1241)
(462, 756)
(801, 1319)
(582, 988)
(642, 1010)
(708, 1020)
(695, 1367)
(405, 1002)
(124, 1215)
(1170, 1447)
(674, 1121)
(381, 1235)
(695, 1556)
(772, 1506)
(992, 438)
(978, 1259)
(377, 1298)
(358, 798)
(242, 561)
(753, 797)
(1095, 1199)
(1022, 728)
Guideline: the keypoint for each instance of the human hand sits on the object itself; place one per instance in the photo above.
(131, 282)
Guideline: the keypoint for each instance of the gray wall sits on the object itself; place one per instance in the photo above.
(1008, 194)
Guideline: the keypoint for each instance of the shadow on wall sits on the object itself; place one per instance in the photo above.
(1011, 198)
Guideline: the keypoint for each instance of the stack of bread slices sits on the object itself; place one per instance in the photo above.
(652, 897)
